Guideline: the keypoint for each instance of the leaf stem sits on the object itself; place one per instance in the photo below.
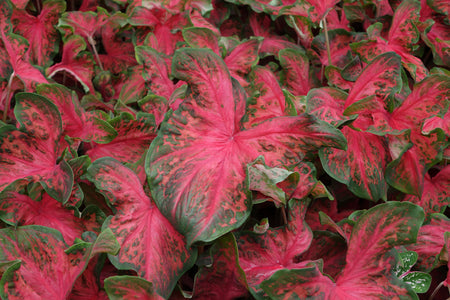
(436, 290)
(327, 39)
(92, 42)
(8, 95)
(283, 214)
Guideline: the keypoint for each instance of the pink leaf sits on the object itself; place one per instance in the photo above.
(296, 75)
(196, 164)
(32, 151)
(224, 279)
(33, 28)
(76, 122)
(149, 243)
(76, 62)
(261, 255)
(40, 266)
(436, 192)
(369, 261)
(128, 287)
(22, 210)
(362, 166)
(430, 242)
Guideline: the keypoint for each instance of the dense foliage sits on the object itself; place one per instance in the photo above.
(239, 149)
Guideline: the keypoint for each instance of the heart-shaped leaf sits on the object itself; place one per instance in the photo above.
(196, 164)
(149, 243)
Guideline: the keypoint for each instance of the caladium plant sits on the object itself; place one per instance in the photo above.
(238, 149)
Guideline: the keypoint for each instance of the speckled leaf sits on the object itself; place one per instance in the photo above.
(134, 136)
(196, 164)
(428, 98)
(368, 271)
(362, 166)
(265, 180)
(76, 62)
(261, 255)
(33, 28)
(200, 37)
(380, 78)
(132, 86)
(224, 279)
(437, 37)
(130, 287)
(83, 23)
(149, 243)
(32, 151)
(155, 72)
(430, 242)
(436, 192)
(266, 100)
(242, 58)
(15, 61)
(18, 209)
(296, 75)
(327, 104)
(402, 37)
(340, 51)
(76, 122)
(44, 270)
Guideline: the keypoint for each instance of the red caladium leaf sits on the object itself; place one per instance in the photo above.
(329, 247)
(76, 62)
(272, 43)
(296, 75)
(76, 122)
(166, 27)
(319, 9)
(265, 180)
(33, 28)
(362, 166)
(436, 192)
(267, 99)
(340, 51)
(369, 262)
(200, 37)
(380, 79)
(437, 37)
(129, 287)
(224, 279)
(430, 242)
(402, 37)
(155, 72)
(149, 243)
(196, 164)
(16, 61)
(84, 24)
(18, 209)
(327, 104)
(119, 49)
(132, 85)
(241, 59)
(32, 151)
(40, 266)
(433, 123)
(134, 136)
(417, 152)
(86, 286)
(261, 255)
